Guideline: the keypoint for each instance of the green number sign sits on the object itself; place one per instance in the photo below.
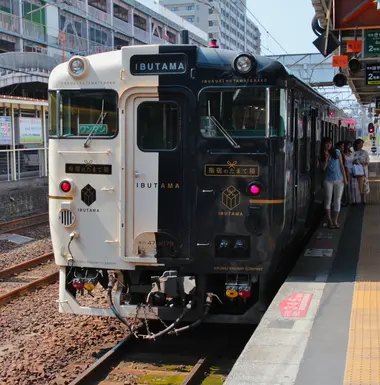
(85, 129)
(372, 42)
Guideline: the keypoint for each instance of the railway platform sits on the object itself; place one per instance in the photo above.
(323, 326)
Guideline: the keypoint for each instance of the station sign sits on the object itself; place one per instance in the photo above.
(5, 130)
(340, 61)
(372, 74)
(162, 64)
(372, 42)
(354, 46)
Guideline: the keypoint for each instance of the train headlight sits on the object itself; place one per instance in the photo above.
(78, 66)
(244, 64)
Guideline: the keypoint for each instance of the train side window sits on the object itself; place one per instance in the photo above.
(295, 133)
(53, 121)
(278, 111)
(304, 144)
(157, 126)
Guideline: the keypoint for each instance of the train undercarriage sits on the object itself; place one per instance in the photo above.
(166, 296)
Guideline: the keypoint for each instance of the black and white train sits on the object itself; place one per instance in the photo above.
(181, 178)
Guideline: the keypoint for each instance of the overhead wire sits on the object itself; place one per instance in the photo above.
(315, 83)
(273, 38)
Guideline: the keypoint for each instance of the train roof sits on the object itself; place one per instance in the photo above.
(222, 58)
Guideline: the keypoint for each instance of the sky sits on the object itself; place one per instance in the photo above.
(290, 25)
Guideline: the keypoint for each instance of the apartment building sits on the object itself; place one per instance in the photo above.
(55, 30)
(224, 20)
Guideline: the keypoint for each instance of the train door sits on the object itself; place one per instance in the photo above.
(313, 153)
(157, 173)
(295, 163)
(303, 183)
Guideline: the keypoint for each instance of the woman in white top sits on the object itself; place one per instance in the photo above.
(361, 157)
(353, 186)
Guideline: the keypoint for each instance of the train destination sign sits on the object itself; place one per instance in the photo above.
(88, 168)
(158, 64)
(85, 129)
(231, 169)
(372, 74)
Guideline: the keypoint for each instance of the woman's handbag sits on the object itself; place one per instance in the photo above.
(357, 170)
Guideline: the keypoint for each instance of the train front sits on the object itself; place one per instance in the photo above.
(241, 178)
(167, 172)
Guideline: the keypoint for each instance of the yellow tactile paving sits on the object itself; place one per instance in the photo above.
(363, 353)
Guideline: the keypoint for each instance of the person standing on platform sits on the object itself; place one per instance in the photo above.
(353, 191)
(335, 179)
(360, 168)
(340, 146)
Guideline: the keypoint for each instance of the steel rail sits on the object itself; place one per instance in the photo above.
(26, 265)
(22, 220)
(17, 230)
(7, 297)
(196, 374)
(102, 365)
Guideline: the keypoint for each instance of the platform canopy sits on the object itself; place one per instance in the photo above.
(356, 26)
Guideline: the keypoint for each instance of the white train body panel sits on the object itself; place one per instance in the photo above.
(108, 228)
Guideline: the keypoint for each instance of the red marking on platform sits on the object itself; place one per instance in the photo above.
(296, 305)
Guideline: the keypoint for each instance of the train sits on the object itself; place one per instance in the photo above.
(180, 180)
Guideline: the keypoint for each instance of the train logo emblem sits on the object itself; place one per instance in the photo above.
(231, 197)
(88, 195)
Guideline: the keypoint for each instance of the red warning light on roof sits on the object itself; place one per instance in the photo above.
(213, 44)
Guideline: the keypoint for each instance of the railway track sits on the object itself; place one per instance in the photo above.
(19, 279)
(203, 356)
(22, 224)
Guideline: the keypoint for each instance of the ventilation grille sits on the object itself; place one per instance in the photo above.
(67, 218)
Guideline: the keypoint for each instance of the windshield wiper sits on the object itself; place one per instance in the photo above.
(222, 129)
(100, 120)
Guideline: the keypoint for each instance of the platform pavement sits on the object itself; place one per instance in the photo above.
(307, 335)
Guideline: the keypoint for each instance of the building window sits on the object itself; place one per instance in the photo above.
(100, 35)
(157, 126)
(139, 22)
(120, 12)
(190, 7)
(210, 11)
(34, 12)
(189, 19)
(174, 9)
(210, 23)
(210, 35)
(6, 6)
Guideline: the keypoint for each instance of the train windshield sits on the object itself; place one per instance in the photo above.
(81, 113)
(242, 112)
